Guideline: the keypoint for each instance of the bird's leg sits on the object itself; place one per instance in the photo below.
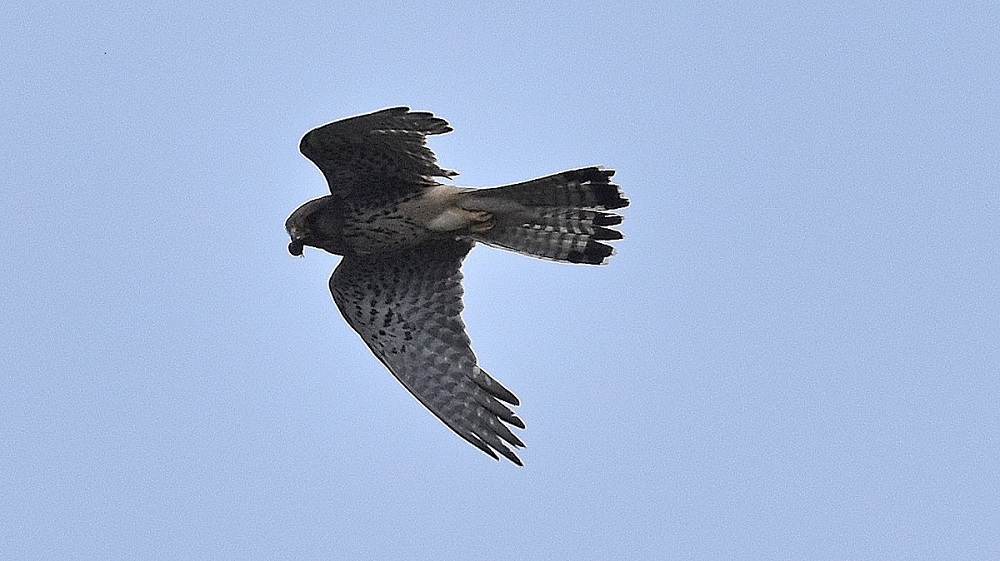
(480, 221)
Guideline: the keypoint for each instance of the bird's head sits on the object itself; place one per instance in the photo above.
(312, 224)
(298, 228)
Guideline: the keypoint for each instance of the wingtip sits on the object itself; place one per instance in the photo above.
(507, 453)
(496, 446)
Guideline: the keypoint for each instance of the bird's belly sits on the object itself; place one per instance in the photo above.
(384, 233)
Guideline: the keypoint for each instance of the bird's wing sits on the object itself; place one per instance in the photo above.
(407, 309)
(386, 149)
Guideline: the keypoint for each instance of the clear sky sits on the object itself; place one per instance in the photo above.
(794, 355)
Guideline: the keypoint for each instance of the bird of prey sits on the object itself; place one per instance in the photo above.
(403, 235)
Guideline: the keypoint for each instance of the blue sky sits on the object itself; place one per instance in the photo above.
(794, 354)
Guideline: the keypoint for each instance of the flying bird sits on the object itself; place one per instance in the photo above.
(403, 235)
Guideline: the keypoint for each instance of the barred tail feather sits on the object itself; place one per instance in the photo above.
(562, 217)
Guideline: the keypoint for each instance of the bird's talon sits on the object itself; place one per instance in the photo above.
(482, 221)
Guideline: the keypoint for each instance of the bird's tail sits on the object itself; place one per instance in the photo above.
(562, 217)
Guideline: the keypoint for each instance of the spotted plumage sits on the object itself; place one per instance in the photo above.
(403, 236)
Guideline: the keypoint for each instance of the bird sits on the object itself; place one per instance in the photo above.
(402, 230)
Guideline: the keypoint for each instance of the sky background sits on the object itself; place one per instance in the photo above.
(794, 354)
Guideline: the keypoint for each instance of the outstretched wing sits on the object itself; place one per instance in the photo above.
(407, 308)
(385, 149)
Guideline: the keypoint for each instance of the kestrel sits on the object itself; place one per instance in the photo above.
(403, 235)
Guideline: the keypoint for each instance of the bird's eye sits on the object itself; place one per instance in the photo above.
(295, 248)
